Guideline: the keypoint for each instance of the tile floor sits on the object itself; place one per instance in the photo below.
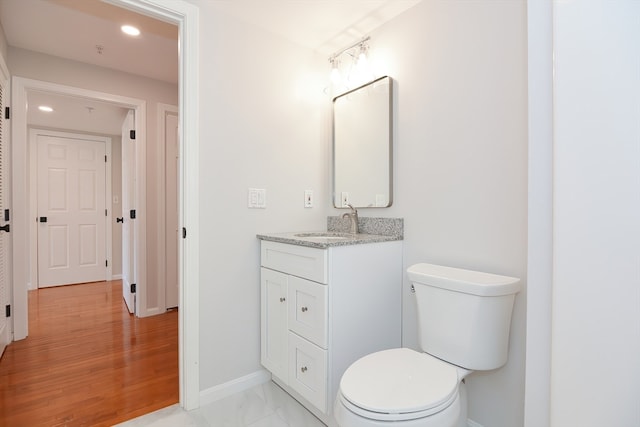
(265, 405)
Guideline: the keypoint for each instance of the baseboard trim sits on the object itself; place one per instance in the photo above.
(471, 423)
(116, 276)
(221, 391)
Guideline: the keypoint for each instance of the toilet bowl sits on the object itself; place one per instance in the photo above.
(464, 319)
(401, 387)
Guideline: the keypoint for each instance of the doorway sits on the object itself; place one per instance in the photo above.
(72, 188)
(185, 16)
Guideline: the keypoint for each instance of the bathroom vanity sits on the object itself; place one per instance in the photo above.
(327, 299)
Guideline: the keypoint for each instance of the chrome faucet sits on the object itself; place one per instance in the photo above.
(353, 216)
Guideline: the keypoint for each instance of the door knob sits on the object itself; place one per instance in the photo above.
(120, 220)
(6, 228)
(43, 219)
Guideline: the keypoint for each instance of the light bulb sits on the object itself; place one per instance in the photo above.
(130, 30)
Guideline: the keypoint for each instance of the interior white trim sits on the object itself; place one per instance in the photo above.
(185, 15)
(537, 400)
(5, 83)
(237, 385)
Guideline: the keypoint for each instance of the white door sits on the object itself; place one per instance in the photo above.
(129, 223)
(172, 293)
(5, 241)
(71, 210)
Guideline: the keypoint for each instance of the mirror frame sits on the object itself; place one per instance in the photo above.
(334, 198)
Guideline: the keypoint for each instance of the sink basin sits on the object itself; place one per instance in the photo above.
(326, 236)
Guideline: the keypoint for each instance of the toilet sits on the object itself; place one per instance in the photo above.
(464, 318)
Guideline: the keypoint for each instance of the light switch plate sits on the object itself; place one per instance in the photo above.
(257, 198)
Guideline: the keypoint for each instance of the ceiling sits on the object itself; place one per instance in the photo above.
(88, 31)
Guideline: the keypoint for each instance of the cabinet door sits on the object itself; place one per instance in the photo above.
(273, 333)
(308, 371)
(308, 310)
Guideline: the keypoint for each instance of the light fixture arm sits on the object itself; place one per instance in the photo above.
(335, 56)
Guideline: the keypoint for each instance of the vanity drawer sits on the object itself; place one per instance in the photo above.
(308, 371)
(308, 310)
(301, 261)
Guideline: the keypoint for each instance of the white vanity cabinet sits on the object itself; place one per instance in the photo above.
(322, 309)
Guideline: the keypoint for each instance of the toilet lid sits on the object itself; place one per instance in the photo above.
(400, 381)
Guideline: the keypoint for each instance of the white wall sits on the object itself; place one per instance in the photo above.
(264, 125)
(3, 43)
(596, 291)
(32, 65)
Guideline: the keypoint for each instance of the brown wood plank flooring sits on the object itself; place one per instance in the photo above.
(87, 361)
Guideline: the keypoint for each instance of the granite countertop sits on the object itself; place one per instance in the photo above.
(373, 230)
(331, 239)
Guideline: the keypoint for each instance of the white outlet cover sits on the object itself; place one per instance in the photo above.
(308, 198)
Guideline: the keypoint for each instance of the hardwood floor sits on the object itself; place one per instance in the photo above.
(87, 361)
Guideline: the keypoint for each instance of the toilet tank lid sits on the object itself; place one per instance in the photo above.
(460, 280)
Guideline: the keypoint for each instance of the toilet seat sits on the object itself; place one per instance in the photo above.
(398, 384)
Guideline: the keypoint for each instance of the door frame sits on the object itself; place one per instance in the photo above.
(21, 187)
(186, 16)
(33, 201)
(5, 83)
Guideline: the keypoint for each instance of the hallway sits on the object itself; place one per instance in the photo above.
(87, 362)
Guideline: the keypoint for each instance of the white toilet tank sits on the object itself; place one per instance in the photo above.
(464, 316)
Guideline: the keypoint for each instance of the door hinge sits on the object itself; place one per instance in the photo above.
(132, 214)
(184, 233)
(6, 215)
(133, 288)
(105, 213)
(7, 310)
(7, 112)
(132, 134)
(106, 263)
(105, 159)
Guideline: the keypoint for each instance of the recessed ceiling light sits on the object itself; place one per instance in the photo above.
(130, 30)
(45, 108)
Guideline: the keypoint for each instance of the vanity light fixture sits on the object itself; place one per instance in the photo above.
(357, 69)
(130, 30)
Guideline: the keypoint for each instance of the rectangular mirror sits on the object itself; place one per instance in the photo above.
(363, 146)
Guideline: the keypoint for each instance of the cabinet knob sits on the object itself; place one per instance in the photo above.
(304, 309)
(303, 369)
(282, 299)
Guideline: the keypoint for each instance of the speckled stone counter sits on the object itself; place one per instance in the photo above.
(366, 225)
(374, 230)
